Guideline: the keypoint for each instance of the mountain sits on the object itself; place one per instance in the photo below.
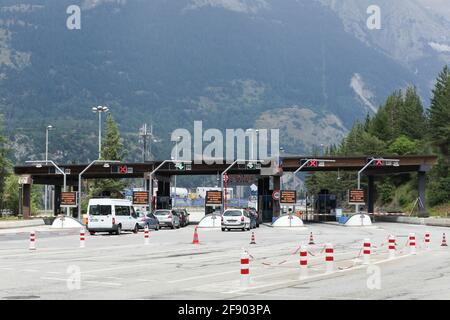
(310, 68)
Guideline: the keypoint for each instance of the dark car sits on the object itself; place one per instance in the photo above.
(184, 217)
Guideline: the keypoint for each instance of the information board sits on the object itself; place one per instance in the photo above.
(213, 198)
(356, 196)
(140, 198)
(288, 196)
(69, 199)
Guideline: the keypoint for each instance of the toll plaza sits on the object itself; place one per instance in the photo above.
(268, 175)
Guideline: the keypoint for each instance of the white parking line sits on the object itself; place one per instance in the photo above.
(114, 284)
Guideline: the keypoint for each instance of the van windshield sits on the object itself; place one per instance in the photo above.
(99, 210)
(232, 213)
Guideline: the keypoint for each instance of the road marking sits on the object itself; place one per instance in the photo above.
(203, 276)
(85, 281)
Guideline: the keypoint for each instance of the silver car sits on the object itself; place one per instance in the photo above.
(167, 218)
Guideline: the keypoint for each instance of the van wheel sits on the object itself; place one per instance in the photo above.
(119, 229)
(223, 229)
(136, 229)
(172, 227)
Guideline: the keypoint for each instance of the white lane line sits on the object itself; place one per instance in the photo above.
(203, 276)
(114, 284)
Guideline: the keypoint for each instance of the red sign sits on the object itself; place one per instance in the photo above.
(276, 195)
(312, 163)
(379, 163)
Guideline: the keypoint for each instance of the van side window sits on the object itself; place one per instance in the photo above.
(99, 210)
(122, 211)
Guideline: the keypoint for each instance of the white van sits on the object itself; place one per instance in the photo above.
(111, 215)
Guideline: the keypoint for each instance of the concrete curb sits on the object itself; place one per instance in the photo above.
(435, 222)
(21, 223)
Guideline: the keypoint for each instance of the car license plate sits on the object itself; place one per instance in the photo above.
(233, 221)
(94, 220)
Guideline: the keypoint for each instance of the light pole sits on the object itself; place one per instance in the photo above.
(175, 177)
(100, 110)
(222, 176)
(281, 178)
(380, 160)
(47, 129)
(151, 179)
(106, 165)
(39, 163)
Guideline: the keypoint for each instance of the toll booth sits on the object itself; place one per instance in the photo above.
(325, 205)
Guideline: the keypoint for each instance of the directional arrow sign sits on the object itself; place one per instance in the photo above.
(179, 166)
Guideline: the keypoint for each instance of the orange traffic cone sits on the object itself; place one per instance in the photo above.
(311, 238)
(195, 241)
(444, 241)
(253, 239)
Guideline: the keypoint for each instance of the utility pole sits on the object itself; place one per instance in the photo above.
(144, 134)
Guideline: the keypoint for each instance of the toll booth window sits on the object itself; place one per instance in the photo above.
(99, 210)
(232, 213)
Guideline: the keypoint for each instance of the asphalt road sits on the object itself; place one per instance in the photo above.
(171, 267)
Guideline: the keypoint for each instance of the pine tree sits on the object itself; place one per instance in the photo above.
(439, 113)
(411, 119)
(112, 149)
(112, 146)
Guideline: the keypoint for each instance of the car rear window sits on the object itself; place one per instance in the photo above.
(232, 213)
(162, 212)
(99, 210)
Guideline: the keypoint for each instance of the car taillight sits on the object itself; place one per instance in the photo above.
(242, 218)
(113, 221)
(222, 219)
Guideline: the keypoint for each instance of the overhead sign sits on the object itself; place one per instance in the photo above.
(213, 198)
(356, 196)
(121, 169)
(276, 195)
(69, 199)
(140, 197)
(288, 196)
(25, 179)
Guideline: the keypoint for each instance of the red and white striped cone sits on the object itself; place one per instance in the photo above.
(412, 243)
(303, 262)
(253, 241)
(32, 240)
(311, 238)
(146, 236)
(329, 258)
(427, 241)
(245, 269)
(391, 247)
(82, 238)
(444, 241)
(195, 240)
(366, 251)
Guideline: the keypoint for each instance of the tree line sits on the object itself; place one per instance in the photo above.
(401, 126)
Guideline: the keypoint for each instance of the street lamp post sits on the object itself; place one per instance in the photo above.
(151, 178)
(106, 163)
(364, 168)
(225, 172)
(46, 162)
(100, 110)
(47, 129)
